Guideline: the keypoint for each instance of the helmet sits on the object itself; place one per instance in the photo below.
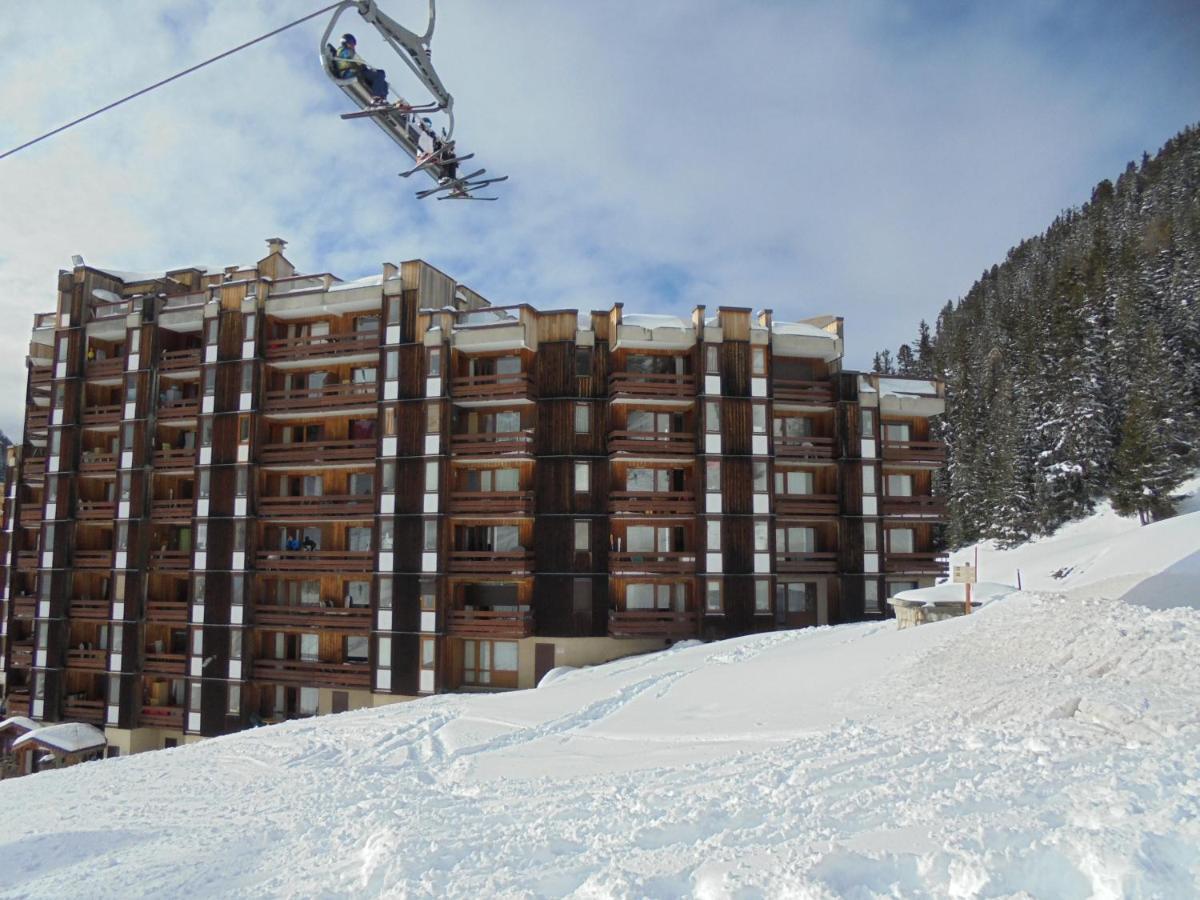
(349, 39)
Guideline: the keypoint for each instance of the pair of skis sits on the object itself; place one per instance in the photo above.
(460, 188)
(398, 107)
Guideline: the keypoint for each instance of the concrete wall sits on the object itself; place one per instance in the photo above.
(580, 652)
(139, 740)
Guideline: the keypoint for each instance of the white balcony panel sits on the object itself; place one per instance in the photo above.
(713, 563)
(712, 504)
(426, 686)
(712, 443)
(383, 680)
(428, 620)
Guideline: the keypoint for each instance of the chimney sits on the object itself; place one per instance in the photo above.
(275, 245)
(390, 271)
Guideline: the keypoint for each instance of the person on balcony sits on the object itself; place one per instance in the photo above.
(309, 544)
(293, 543)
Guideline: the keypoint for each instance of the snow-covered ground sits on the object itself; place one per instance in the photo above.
(1047, 745)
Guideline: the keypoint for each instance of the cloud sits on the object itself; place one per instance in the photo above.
(864, 159)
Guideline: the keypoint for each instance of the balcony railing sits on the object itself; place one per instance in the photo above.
(87, 608)
(95, 509)
(97, 461)
(638, 384)
(488, 443)
(90, 712)
(821, 562)
(652, 623)
(317, 452)
(170, 560)
(791, 390)
(20, 654)
(503, 562)
(324, 505)
(24, 607)
(806, 504)
(27, 559)
(650, 503)
(930, 452)
(179, 408)
(167, 664)
(166, 612)
(329, 396)
(31, 515)
(312, 674)
(804, 447)
(491, 387)
(37, 419)
(162, 717)
(679, 443)
(515, 623)
(86, 659)
(18, 703)
(171, 509)
(920, 507)
(102, 415)
(175, 458)
(179, 360)
(518, 503)
(666, 562)
(41, 376)
(928, 563)
(354, 619)
(322, 346)
(314, 560)
(97, 369)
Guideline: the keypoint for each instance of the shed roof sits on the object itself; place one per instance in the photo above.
(69, 737)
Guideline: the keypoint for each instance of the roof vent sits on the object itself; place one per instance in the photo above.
(275, 245)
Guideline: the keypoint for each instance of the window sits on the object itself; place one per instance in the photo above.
(198, 642)
(428, 590)
(241, 485)
(712, 596)
(362, 484)
(793, 481)
(712, 359)
(870, 537)
(762, 536)
(206, 432)
(210, 331)
(793, 427)
(198, 590)
(431, 477)
(583, 418)
(243, 429)
(247, 377)
(118, 639)
(358, 539)
(385, 592)
(131, 390)
(358, 649)
(428, 653)
(309, 696)
(389, 421)
(194, 696)
(583, 477)
(433, 362)
(201, 535)
(648, 480)
(899, 485)
(393, 310)
(758, 361)
(490, 662)
(114, 691)
(366, 324)
(235, 643)
(759, 480)
(430, 535)
(794, 597)
(642, 421)
(383, 652)
(123, 485)
(900, 540)
(868, 423)
(391, 365)
(712, 417)
(583, 361)
(868, 475)
(248, 331)
(433, 418)
(712, 476)
(895, 587)
(310, 647)
(897, 431)
(234, 706)
(656, 596)
(363, 375)
(387, 532)
(388, 480)
(796, 539)
(713, 534)
(758, 418)
(237, 589)
(583, 535)
(210, 381)
(762, 597)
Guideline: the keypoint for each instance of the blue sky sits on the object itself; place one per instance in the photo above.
(866, 159)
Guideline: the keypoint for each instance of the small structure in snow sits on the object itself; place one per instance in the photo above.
(10, 730)
(943, 601)
(63, 745)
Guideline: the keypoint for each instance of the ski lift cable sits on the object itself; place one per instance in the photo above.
(175, 77)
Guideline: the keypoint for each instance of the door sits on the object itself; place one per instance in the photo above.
(543, 661)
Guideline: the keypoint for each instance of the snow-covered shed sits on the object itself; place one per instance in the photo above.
(65, 744)
(943, 601)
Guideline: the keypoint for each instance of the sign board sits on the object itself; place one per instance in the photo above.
(963, 575)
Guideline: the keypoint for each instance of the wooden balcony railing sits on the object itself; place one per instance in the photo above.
(27, 559)
(90, 712)
(170, 560)
(325, 505)
(87, 659)
(31, 515)
(41, 375)
(355, 619)
(102, 415)
(88, 608)
(650, 503)
(315, 560)
(638, 384)
(805, 447)
(20, 654)
(172, 509)
(806, 504)
(97, 369)
(322, 346)
(18, 703)
(329, 396)
(167, 664)
(24, 607)
(162, 717)
(97, 461)
(175, 458)
(95, 509)
(518, 503)
(652, 623)
(790, 390)
(37, 419)
(179, 360)
(823, 561)
(491, 387)
(486, 443)
(503, 562)
(921, 507)
(929, 563)
(317, 452)
(515, 623)
(312, 674)
(930, 452)
(667, 562)
(179, 408)
(678, 443)
(166, 612)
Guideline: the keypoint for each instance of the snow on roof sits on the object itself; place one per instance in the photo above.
(69, 737)
(951, 592)
(368, 281)
(907, 387)
(20, 722)
(646, 320)
(801, 329)
(128, 276)
(485, 317)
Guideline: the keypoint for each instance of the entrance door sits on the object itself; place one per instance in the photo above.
(543, 661)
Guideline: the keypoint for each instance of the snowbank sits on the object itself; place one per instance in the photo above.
(981, 593)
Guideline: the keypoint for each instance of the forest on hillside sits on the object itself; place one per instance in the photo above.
(1072, 368)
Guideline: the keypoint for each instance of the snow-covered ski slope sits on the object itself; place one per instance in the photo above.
(1047, 746)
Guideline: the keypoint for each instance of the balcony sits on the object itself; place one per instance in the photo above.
(20, 654)
(175, 458)
(31, 515)
(652, 623)
(37, 419)
(88, 711)
(97, 461)
(27, 559)
(487, 443)
(315, 560)
(806, 504)
(354, 619)
(648, 561)
(330, 396)
(322, 506)
(804, 447)
(104, 369)
(514, 503)
(651, 503)
(317, 452)
(166, 612)
(929, 563)
(512, 623)
(170, 665)
(162, 717)
(178, 408)
(102, 415)
(18, 703)
(178, 361)
(790, 390)
(95, 509)
(516, 385)
(171, 510)
(170, 560)
(921, 507)
(312, 348)
(499, 562)
(313, 673)
(95, 660)
(24, 607)
(86, 608)
(638, 443)
(41, 376)
(931, 453)
(825, 562)
(638, 384)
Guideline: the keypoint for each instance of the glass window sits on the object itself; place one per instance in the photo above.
(712, 476)
(201, 535)
(433, 418)
(762, 596)
(309, 697)
(433, 362)
(387, 531)
(393, 310)
(206, 432)
(194, 696)
(712, 596)
(122, 536)
(123, 485)
(198, 642)
(431, 477)
(795, 597)
(712, 417)
(428, 590)
(391, 364)
(235, 643)
(234, 707)
(385, 592)
(504, 656)
(198, 590)
(897, 431)
(899, 485)
(388, 470)
(583, 535)
(389, 421)
(358, 648)
(758, 413)
(247, 377)
(583, 477)
(241, 481)
(758, 361)
(383, 652)
(583, 361)
(366, 324)
(868, 423)
(901, 540)
(583, 418)
(237, 589)
(243, 429)
(429, 653)
(712, 359)
(868, 475)
(762, 536)
(430, 535)
(310, 647)
(758, 470)
(358, 539)
(210, 381)
(870, 537)
(114, 691)
(713, 534)
(210, 331)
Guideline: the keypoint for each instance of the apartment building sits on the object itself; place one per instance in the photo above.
(246, 494)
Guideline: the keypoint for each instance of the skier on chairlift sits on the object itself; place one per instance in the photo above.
(347, 62)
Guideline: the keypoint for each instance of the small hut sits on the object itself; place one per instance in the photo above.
(59, 746)
(10, 730)
(944, 601)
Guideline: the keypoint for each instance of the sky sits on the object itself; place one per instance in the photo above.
(865, 159)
